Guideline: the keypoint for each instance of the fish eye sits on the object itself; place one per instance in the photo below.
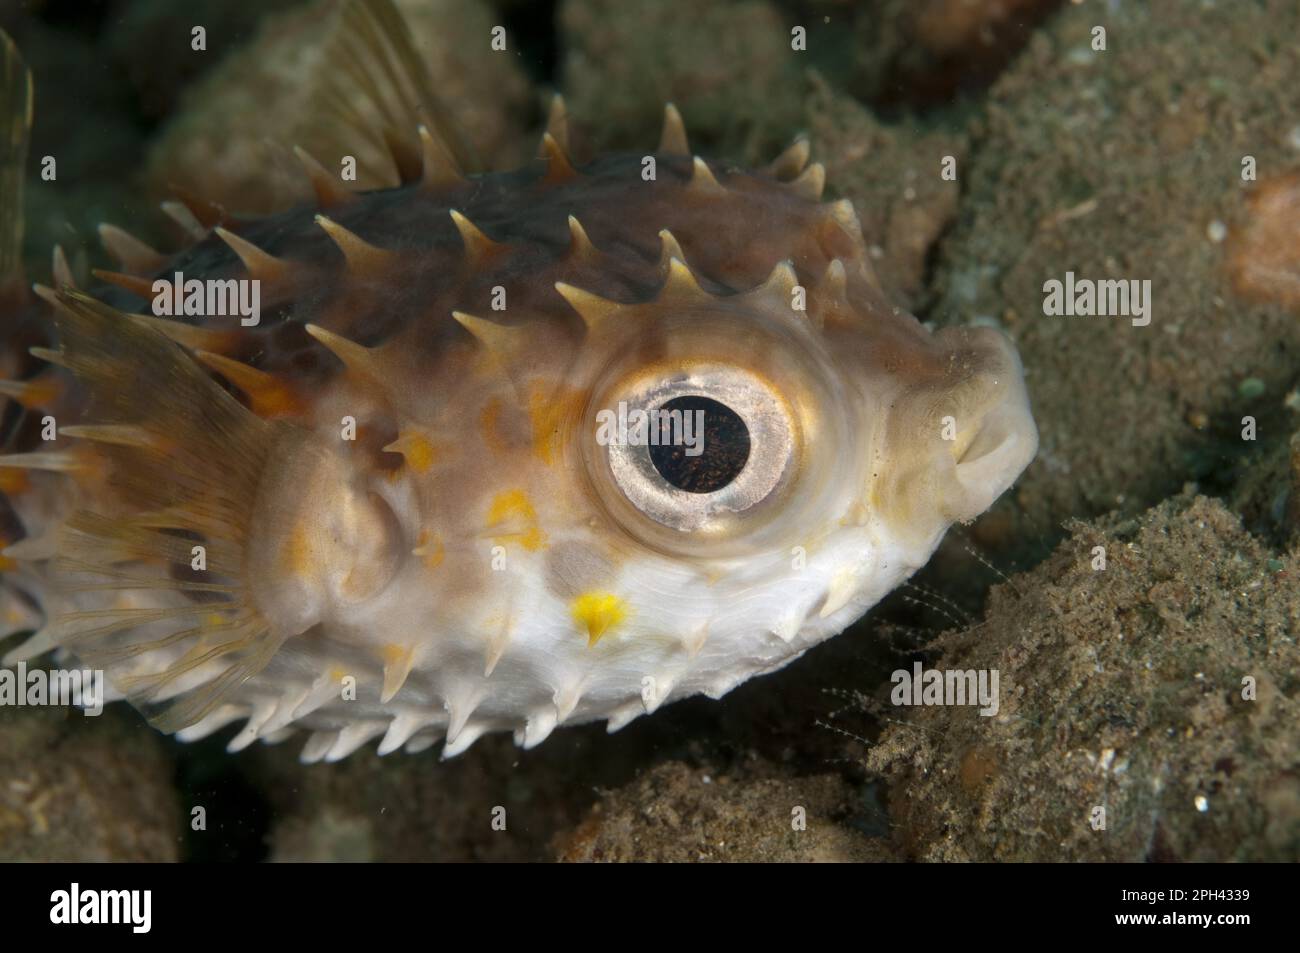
(724, 445)
(696, 448)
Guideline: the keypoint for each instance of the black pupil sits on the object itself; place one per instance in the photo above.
(723, 443)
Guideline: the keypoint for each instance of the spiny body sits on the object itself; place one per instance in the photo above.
(409, 528)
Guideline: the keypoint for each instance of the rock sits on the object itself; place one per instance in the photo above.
(923, 53)
(491, 803)
(728, 66)
(172, 62)
(75, 788)
(893, 175)
(676, 812)
(215, 147)
(1118, 165)
(1161, 690)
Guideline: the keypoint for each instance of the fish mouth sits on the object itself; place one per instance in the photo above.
(1006, 440)
(1004, 446)
(956, 442)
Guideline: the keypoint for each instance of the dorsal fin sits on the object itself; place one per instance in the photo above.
(438, 170)
(370, 51)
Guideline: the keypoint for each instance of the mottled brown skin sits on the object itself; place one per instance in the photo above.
(731, 240)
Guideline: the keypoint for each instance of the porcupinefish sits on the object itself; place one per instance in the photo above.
(416, 498)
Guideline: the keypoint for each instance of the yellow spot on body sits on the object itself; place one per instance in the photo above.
(297, 553)
(397, 666)
(41, 392)
(275, 402)
(597, 613)
(430, 549)
(395, 654)
(267, 395)
(513, 513)
(13, 482)
(418, 451)
(549, 410)
(420, 454)
(859, 514)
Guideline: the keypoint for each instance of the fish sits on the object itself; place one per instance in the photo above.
(474, 451)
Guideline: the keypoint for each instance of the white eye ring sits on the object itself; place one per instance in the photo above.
(771, 445)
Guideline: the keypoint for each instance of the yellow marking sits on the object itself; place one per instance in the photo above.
(513, 511)
(297, 551)
(430, 549)
(40, 392)
(549, 408)
(597, 612)
(418, 451)
(859, 514)
(268, 396)
(394, 653)
(13, 482)
(397, 666)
